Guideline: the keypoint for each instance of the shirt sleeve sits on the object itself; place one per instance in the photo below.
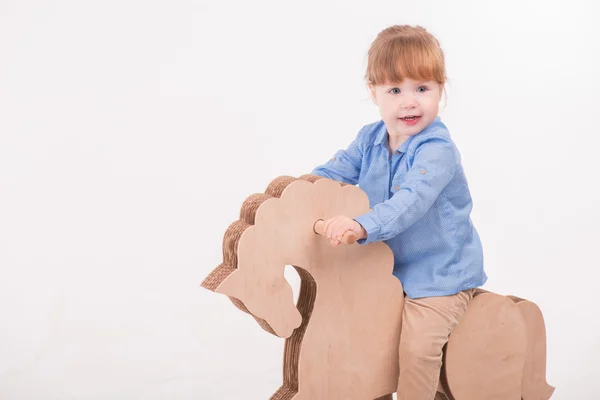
(345, 165)
(434, 165)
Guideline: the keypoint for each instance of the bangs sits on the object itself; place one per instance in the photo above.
(401, 57)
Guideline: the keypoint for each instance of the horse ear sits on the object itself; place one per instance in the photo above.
(233, 285)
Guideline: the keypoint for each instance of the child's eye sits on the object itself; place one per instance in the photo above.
(422, 89)
(394, 90)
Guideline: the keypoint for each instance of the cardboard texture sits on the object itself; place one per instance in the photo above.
(341, 338)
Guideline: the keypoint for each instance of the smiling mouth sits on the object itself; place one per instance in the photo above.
(410, 117)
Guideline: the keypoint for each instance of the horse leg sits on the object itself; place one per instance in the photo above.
(534, 385)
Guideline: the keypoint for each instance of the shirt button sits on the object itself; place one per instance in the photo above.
(397, 187)
(397, 152)
(423, 171)
(333, 159)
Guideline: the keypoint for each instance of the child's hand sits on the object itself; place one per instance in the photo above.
(335, 228)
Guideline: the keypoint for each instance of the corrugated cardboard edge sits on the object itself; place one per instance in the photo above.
(308, 287)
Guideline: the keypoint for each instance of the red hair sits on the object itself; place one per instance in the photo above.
(404, 51)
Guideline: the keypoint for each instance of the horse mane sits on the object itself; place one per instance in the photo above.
(230, 246)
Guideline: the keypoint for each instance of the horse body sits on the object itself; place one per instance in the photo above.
(342, 336)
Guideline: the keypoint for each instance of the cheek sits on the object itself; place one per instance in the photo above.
(389, 108)
(392, 115)
(431, 104)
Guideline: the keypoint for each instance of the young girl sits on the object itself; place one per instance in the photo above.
(411, 171)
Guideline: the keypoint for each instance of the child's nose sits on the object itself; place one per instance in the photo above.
(409, 101)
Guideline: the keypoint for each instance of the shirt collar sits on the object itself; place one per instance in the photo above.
(381, 134)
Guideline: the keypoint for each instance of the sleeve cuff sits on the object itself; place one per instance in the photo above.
(372, 228)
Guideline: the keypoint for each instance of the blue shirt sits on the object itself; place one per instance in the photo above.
(420, 207)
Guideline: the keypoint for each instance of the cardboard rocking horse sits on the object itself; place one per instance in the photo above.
(341, 338)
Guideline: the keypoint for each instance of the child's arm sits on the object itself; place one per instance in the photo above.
(345, 164)
(434, 165)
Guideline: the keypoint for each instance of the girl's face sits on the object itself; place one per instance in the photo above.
(407, 107)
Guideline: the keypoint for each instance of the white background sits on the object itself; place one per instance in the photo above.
(132, 131)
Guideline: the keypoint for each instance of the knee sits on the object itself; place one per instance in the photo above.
(419, 351)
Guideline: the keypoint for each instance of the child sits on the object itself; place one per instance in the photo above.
(411, 171)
